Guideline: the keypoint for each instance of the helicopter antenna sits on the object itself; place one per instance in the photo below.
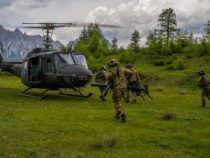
(48, 27)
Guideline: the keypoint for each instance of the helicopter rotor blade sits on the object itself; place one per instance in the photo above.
(86, 24)
(72, 24)
(30, 27)
(42, 27)
(45, 23)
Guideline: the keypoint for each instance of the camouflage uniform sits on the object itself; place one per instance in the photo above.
(133, 81)
(117, 76)
(101, 77)
(204, 84)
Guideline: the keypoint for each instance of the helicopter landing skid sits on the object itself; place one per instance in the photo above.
(78, 93)
(41, 96)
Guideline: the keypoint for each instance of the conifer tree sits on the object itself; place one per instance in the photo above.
(207, 30)
(114, 45)
(167, 23)
(135, 39)
(83, 35)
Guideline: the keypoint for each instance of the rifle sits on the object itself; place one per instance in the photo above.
(106, 86)
(138, 89)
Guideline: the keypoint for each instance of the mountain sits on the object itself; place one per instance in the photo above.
(14, 45)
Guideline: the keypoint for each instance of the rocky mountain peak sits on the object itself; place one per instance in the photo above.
(14, 45)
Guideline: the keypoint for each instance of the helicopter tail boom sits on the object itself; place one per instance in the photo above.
(1, 58)
(11, 67)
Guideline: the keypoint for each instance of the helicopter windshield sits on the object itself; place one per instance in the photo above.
(62, 60)
(80, 60)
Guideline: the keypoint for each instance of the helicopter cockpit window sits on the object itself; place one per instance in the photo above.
(49, 65)
(24, 66)
(62, 60)
(80, 60)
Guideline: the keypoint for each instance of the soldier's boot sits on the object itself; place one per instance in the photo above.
(123, 118)
(117, 115)
(203, 101)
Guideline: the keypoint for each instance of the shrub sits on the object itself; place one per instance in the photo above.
(179, 64)
(159, 88)
(142, 75)
(159, 63)
(94, 67)
(168, 116)
(126, 57)
(183, 92)
(168, 62)
(170, 67)
(166, 50)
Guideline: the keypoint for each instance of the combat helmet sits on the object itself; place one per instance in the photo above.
(128, 66)
(112, 62)
(102, 67)
(201, 73)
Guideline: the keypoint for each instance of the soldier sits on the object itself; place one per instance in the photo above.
(117, 76)
(133, 81)
(204, 84)
(101, 77)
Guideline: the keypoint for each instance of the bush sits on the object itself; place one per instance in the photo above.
(141, 74)
(126, 57)
(168, 62)
(179, 64)
(159, 88)
(170, 67)
(159, 63)
(94, 67)
(166, 50)
(183, 92)
(168, 116)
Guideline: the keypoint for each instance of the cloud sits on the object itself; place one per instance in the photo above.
(143, 14)
(132, 14)
(4, 3)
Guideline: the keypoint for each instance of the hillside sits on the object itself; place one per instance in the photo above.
(70, 127)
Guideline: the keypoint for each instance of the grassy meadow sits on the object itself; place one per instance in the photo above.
(65, 127)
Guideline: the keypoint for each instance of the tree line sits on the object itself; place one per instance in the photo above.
(164, 41)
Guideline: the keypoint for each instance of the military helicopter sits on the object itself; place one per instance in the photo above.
(49, 69)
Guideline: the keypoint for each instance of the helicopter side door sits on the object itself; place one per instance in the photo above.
(34, 69)
(48, 69)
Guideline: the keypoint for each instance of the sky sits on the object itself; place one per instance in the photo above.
(131, 14)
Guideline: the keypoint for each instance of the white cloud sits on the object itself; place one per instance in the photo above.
(132, 14)
(143, 14)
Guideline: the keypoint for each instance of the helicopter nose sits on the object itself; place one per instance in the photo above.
(76, 75)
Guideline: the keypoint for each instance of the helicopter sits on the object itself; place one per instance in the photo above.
(49, 69)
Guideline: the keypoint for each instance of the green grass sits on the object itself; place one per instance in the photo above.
(63, 127)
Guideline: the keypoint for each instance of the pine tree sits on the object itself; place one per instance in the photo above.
(83, 35)
(167, 23)
(135, 39)
(207, 30)
(93, 28)
(191, 38)
(114, 48)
